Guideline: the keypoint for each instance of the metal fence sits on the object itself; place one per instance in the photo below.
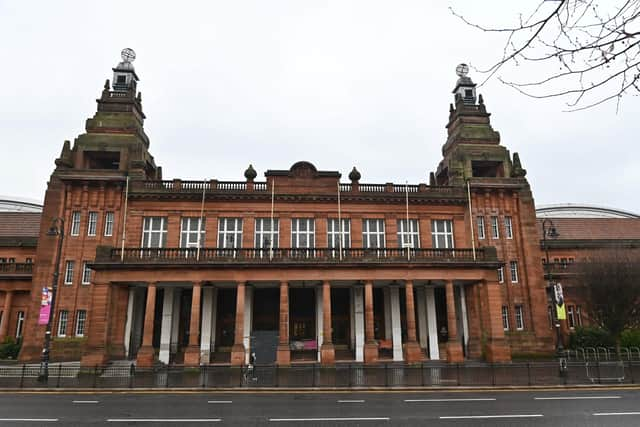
(313, 375)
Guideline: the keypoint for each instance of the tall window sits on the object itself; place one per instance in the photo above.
(75, 223)
(578, 315)
(508, 227)
(303, 233)
(189, 232)
(86, 273)
(408, 234)
(495, 231)
(519, 318)
(229, 233)
(571, 316)
(19, 324)
(505, 317)
(92, 223)
(81, 319)
(62, 323)
(480, 221)
(68, 272)
(442, 233)
(264, 235)
(108, 224)
(154, 232)
(514, 271)
(333, 233)
(501, 275)
(373, 233)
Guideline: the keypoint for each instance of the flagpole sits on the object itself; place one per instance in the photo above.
(339, 223)
(204, 190)
(273, 194)
(124, 221)
(406, 189)
(473, 239)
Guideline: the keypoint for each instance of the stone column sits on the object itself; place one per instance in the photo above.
(146, 353)
(412, 350)
(327, 351)
(396, 325)
(319, 325)
(432, 323)
(205, 333)
(358, 321)
(237, 350)
(388, 323)
(283, 353)
(421, 308)
(454, 347)
(6, 314)
(165, 326)
(370, 346)
(192, 354)
(128, 323)
(248, 322)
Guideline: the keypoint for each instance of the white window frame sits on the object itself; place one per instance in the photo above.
(229, 233)
(188, 233)
(571, 317)
(369, 235)
(69, 266)
(152, 226)
(309, 233)
(495, 227)
(263, 234)
(505, 317)
(86, 273)
(409, 235)
(92, 223)
(63, 320)
(501, 275)
(19, 324)
(508, 227)
(481, 230)
(578, 315)
(74, 230)
(513, 270)
(108, 224)
(519, 311)
(445, 231)
(81, 321)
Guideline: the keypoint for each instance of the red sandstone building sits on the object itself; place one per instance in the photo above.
(301, 266)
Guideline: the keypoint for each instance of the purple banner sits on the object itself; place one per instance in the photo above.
(45, 307)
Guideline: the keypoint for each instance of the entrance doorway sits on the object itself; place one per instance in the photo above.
(266, 316)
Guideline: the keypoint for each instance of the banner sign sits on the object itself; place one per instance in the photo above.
(560, 311)
(45, 306)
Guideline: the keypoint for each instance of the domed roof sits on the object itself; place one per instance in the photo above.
(575, 210)
(15, 204)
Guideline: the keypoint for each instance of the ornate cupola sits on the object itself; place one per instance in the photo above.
(115, 138)
(473, 148)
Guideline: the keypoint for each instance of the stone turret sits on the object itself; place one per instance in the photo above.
(473, 147)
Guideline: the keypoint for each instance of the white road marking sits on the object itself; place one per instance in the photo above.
(451, 400)
(220, 401)
(328, 419)
(601, 414)
(44, 420)
(163, 420)
(350, 401)
(576, 397)
(471, 417)
(85, 401)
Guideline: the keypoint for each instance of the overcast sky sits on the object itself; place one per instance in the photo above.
(337, 83)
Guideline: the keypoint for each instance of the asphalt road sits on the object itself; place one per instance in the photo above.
(606, 407)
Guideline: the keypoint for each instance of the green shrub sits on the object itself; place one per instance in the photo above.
(590, 337)
(630, 338)
(9, 348)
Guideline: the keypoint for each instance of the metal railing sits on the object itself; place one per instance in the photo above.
(297, 255)
(343, 375)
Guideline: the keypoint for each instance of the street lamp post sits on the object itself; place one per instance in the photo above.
(549, 230)
(56, 229)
